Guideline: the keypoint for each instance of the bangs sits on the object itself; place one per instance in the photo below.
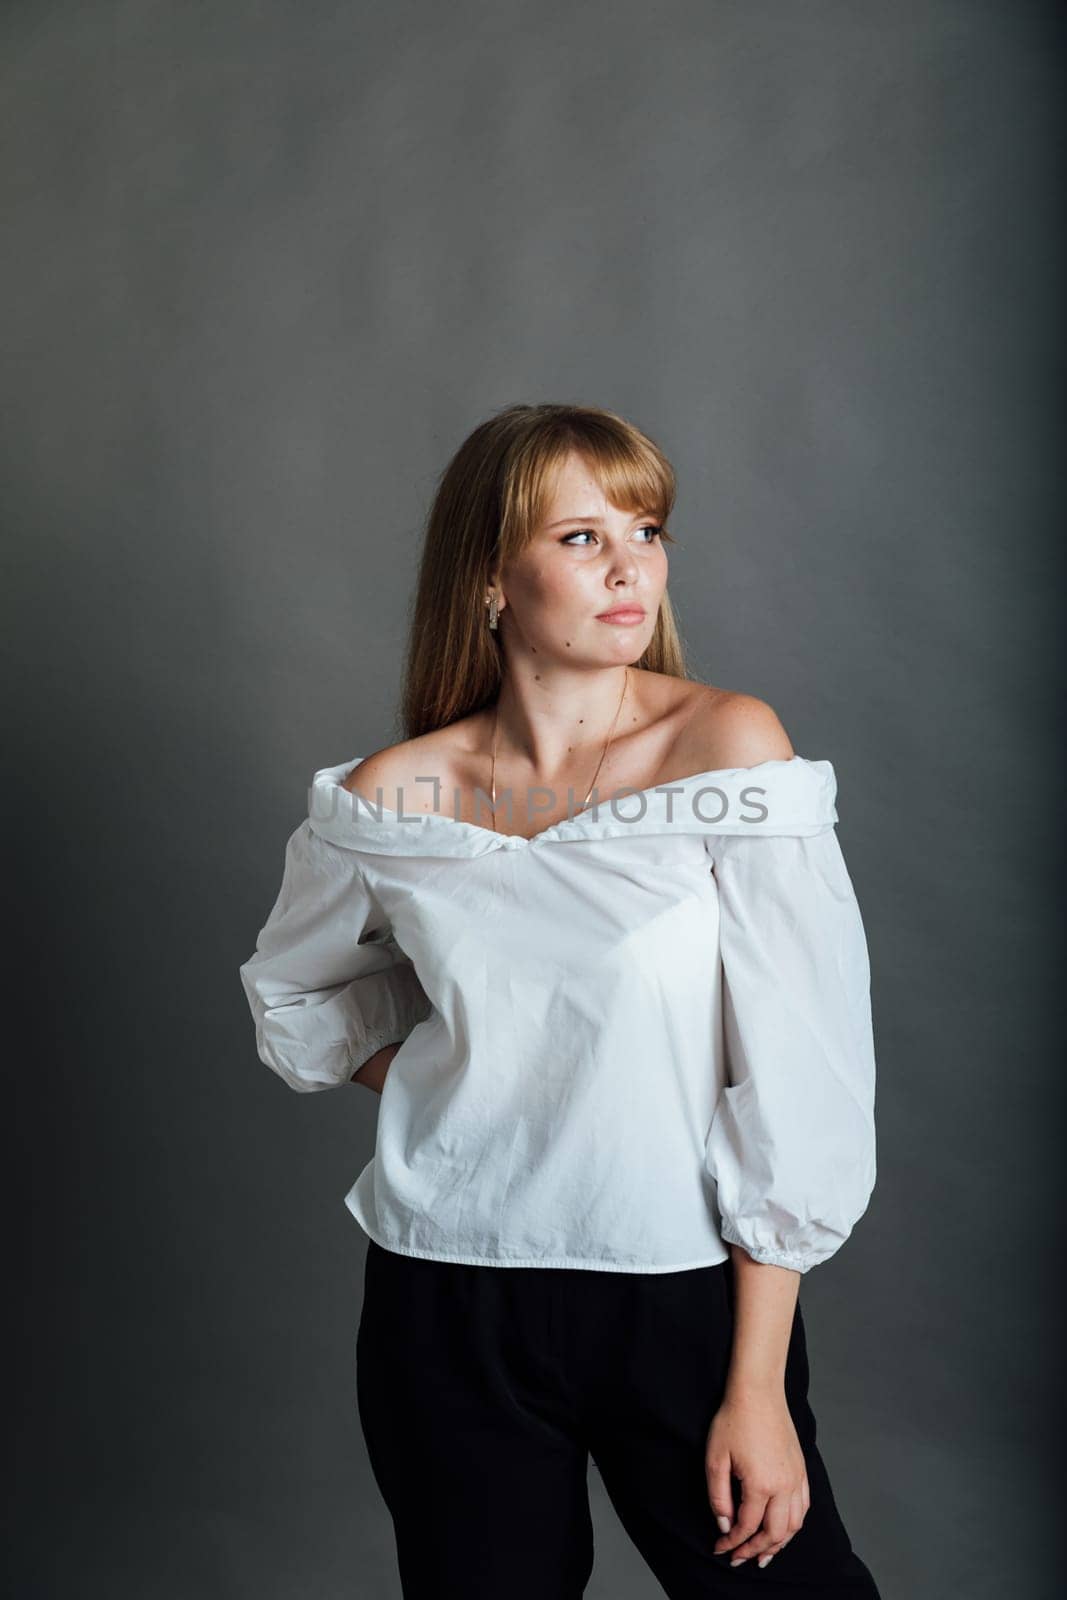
(631, 471)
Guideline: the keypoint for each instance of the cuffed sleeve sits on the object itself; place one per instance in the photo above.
(327, 985)
(792, 1144)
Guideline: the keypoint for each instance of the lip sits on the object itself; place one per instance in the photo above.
(629, 616)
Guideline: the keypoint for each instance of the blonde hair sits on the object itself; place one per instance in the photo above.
(490, 499)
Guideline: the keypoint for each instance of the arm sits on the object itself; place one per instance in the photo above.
(792, 1144)
(752, 1435)
(328, 987)
(791, 1147)
(765, 1300)
(373, 1072)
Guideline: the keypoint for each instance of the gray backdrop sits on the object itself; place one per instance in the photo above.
(267, 264)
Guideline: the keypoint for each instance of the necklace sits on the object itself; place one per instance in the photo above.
(600, 763)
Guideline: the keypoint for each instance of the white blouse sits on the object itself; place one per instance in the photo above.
(638, 1036)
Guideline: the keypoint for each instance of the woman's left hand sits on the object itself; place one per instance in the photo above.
(752, 1438)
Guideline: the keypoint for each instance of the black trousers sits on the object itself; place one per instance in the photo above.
(483, 1391)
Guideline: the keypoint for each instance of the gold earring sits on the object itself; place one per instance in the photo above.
(491, 602)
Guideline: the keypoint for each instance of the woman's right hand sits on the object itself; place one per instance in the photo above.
(372, 1072)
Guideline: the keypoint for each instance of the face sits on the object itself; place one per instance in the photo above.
(587, 559)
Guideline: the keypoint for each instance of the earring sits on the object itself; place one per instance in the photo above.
(491, 602)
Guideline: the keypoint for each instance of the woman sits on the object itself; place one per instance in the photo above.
(589, 932)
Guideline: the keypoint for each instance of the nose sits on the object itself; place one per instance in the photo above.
(623, 568)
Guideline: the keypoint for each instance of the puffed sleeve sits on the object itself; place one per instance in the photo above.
(792, 1144)
(327, 985)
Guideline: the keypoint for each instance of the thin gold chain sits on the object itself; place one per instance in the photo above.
(600, 763)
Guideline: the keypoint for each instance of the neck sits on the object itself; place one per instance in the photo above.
(548, 720)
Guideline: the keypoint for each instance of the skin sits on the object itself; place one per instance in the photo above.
(564, 674)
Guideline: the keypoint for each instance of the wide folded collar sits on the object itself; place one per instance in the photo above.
(774, 797)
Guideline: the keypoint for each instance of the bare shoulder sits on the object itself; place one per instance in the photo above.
(726, 728)
(378, 769)
(412, 767)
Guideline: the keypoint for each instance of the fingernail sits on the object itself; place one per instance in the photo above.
(739, 1562)
(763, 1560)
(724, 1524)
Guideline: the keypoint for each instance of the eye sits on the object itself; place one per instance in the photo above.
(653, 528)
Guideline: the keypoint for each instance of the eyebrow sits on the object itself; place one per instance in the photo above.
(562, 520)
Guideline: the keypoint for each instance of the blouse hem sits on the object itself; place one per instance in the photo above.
(538, 1261)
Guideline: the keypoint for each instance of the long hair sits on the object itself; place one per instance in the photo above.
(490, 499)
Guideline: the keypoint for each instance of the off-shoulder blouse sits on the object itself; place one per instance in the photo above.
(639, 1036)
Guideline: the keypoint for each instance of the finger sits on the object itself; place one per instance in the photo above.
(720, 1494)
(796, 1522)
(769, 1555)
(749, 1517)
(797, 1513)
(774, 1530)
(776, 1521)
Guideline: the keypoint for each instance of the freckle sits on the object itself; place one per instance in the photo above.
(581, 719)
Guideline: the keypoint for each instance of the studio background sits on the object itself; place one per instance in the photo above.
(266, 265)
